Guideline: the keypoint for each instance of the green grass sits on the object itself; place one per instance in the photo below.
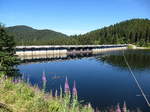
(21, 97)
(131, 46)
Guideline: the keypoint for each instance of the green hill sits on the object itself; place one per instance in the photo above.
(135, 31)
(25, 35)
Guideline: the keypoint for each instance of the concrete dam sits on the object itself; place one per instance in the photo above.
(58, 51)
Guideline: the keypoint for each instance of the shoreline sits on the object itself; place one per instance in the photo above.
(142, 48)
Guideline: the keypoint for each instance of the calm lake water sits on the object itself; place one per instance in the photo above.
(104, 79)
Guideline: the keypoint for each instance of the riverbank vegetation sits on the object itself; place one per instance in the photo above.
(8, 60)
(19, 96)
(134, 31)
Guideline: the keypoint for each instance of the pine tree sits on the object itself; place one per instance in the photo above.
(8, 60)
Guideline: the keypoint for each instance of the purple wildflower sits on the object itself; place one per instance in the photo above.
(111, 109)
(15, 81)
(19, 80)
(44, 77)
(74, 89)
(67, 89)
(97, 110)
(118, 108)
(124, 107)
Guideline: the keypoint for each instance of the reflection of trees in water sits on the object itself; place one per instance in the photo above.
(136, 61)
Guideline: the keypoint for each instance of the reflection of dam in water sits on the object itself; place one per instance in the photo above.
(67, 56)
(54, 57)
(35, 53)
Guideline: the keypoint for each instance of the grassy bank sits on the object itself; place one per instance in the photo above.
(21, 97)
(131, 46)
(143, 47)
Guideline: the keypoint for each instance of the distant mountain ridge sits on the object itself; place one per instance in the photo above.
(133, 31)
(28, 35)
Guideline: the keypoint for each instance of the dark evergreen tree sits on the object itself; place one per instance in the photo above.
(8, 60)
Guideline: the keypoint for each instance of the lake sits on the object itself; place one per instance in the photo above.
(103, 79)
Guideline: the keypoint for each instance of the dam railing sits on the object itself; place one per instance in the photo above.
(62, 50)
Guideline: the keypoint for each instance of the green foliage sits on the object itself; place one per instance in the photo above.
(28, 36)
(134, 31)
(7, 59)
(20, 97)
(130, 46)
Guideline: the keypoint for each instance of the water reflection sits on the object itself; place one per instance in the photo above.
(137, 59)
(54, 57)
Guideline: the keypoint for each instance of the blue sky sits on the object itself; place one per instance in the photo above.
(71, 16)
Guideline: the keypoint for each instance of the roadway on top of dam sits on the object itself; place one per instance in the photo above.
(70, 46)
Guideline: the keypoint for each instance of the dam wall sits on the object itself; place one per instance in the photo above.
(62, 50)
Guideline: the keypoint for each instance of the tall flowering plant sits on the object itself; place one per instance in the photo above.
(118, 108)
(44, 80)
(124, 107)
(75, 102)
(67, 89)
(67, 96)
(74, 89)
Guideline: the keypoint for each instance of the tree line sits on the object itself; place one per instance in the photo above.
(134, 31)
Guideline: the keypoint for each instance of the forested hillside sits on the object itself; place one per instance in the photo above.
(134, 31)
(25, 35)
